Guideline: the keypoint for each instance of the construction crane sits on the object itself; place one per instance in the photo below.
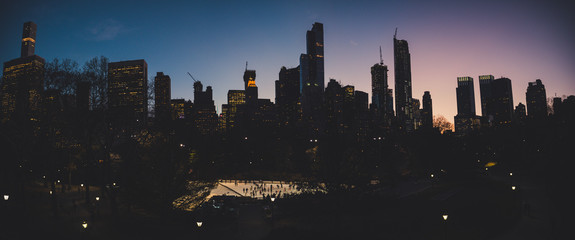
(192, 77)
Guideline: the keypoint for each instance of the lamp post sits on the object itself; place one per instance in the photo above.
(85, 225)
(445, 225)
(6, 197)
(199, 224)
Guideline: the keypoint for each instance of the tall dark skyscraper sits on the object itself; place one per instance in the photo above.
(312, 79)
(403, 102)
(536, 100)
(23, 82)
(466, 120)
(288, 96)
(379, 98)
(162, 96)
(502, 101)
(28, 39)
(236, 99)
(128, 93)
(427, 112)
(204, 110)
(465, 96)
(485, 93)
(251, 89)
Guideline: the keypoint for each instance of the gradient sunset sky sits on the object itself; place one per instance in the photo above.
(521, 40)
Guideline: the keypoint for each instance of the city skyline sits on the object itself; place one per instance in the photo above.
(507, 47)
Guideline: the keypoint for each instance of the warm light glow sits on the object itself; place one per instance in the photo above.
(510, 174)
(273, 199)
(431, 175)
(81, 185)
(445, 217)
(199, 224)
(28, 40)
(97, 198)
(513, 188)
(6, 196)
(50, 192)
(85, 225)
(490, 164)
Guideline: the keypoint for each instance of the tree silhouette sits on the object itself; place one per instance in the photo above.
(442, 124)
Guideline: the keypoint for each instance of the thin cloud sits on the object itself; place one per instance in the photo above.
(106, 30)
(354, 43)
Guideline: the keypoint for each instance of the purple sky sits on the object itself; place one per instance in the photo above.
(521, 40)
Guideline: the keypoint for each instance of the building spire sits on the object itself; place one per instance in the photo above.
(380, 57)
(395, 35)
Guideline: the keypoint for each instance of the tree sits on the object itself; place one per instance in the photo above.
(442, 124)
(96, 73)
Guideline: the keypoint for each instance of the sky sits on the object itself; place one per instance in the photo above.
(521, 40)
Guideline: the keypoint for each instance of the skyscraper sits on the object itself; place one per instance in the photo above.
(204, 110)
(128, 93)
(162, 96)
(466, 120)
(427, 112)
(379, 98)
(403, 102)
(23, 81)
(288, 96)
(251, 90)
(28, 39)
(465, 96)
(312, 79)
(485, 94)
(236, 99)
(536, 100)
(502, 101)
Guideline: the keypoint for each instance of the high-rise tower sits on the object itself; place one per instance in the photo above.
(427, 113)
(379, 99)
(128, 93)
(162, 96)
(486, 97)
(23, 82)
(312, 79)
(28, 39)
(403, 102)
(466, 120)
(536, 100)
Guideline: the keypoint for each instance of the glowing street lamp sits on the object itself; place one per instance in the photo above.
(199, 223)
(510, 174)
(50, 192)
(445, 225)
(85, 225)
(97, 198)
(273, 199)
(6, 196)
(513, 188)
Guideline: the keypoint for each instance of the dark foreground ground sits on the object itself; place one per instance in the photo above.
(482, 207)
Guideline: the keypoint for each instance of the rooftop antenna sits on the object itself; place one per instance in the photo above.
(380, 57)
(394, 35)
(246, 65)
